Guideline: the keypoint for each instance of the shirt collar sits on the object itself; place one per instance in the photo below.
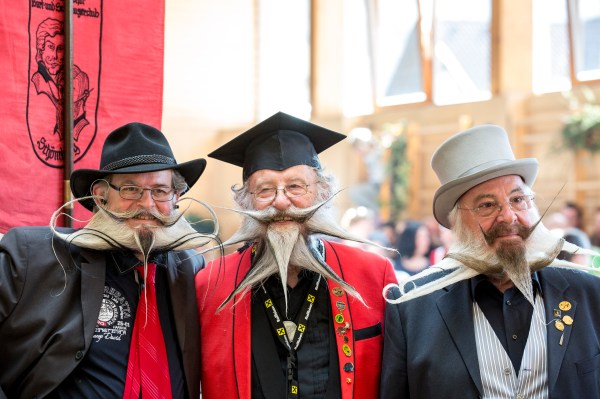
(126, 261)
(535, 281)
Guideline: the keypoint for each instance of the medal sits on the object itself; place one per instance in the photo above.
(290, 329)
(564, 305)
(568, 320)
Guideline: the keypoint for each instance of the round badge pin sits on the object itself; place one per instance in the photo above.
(564, 305)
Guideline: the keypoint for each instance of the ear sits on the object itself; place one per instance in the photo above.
(100, 189)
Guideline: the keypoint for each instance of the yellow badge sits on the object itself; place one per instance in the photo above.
(268, 303)
(564, 305)
(559, 325)
(568, 320)
(294, 389)
(311, 298)
(301, 328)
(347, 350)
(280, 331)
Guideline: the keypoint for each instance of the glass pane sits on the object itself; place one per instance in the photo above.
(398, 62)
(462, 51)
(550, 46)
(586, 30)
(283, 57)
(358, 88)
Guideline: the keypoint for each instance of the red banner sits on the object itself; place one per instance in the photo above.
(117, 78)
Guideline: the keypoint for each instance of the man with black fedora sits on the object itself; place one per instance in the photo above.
(290, 314)
(108, 310)
(500, 316)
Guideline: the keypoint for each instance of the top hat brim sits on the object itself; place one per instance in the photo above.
(82, 179)
(447, 195)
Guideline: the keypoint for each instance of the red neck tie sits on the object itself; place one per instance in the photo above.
(148, 367)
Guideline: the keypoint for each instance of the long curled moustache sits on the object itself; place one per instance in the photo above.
(257, 225)
(92, 234)
(173, 233)
(541, 251)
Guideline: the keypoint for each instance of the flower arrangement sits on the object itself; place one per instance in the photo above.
(582, 128)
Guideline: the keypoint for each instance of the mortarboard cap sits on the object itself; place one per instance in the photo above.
(277, 143)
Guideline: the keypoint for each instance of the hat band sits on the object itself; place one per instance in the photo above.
(140, 160)
(484, 166)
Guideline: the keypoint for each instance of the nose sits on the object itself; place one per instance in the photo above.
(281, 201)
(506, 214)
(146, 201)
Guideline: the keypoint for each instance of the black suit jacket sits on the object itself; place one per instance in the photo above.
(430, 350)
(49, 310)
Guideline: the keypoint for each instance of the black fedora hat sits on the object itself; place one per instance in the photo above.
(133, 148)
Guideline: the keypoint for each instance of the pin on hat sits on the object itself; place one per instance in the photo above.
(277, 143)
(470, 158)
(134, 148)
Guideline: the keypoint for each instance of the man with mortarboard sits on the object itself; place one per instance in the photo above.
(500, 316)
(107, 310)
(289, 315)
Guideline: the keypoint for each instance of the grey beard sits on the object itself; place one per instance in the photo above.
(510, 259)
(108, 230)
(279, 248)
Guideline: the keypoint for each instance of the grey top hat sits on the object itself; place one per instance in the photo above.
(470, 158)
(134, 148)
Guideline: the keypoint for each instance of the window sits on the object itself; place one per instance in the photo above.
(283, 57)
(566, 44)
(419, 50)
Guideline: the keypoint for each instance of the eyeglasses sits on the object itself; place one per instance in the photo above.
(130, 192)
(268, 194)
(488, 209)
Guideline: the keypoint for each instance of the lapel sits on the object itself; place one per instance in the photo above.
(455, 307)
(240, 325)
(93, 274)
(179, 299)
(554, 295)
(342, 322)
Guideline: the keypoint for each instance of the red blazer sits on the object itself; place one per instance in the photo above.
(226, 340)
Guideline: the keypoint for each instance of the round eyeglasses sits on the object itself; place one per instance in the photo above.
(268, 194)
(486, 209)
(131, 192)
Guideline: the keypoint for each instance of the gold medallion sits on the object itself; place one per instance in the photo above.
(337, 291)
(568, 320)
(559, 325)
(564, 305)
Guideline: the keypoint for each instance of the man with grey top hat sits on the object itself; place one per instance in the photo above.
(108, 310)
(290, 314)
(500, 316)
